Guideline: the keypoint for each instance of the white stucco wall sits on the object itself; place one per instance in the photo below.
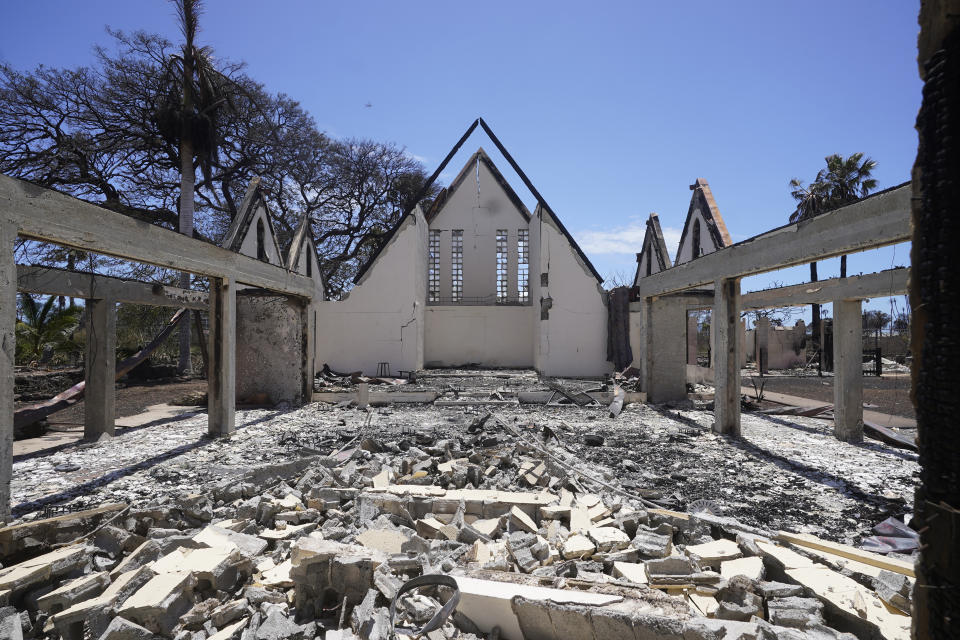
(480, 207)
(381, 320)
(249, 245)
(489, 336)
(573, 339)
(685, 250)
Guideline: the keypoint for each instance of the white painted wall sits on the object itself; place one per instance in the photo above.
(685, 250)
(249, 245)
(381, 319)
(573, 339)
(480, 207)
(491, 336)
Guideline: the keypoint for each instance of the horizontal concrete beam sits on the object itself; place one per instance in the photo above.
(89, 286)
(876, 221)
(45, 214)
(892, 282)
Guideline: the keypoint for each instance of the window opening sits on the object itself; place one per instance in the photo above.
(261, 241)
(501, 265)
(456, 265)
(433, 275)
(523, 265)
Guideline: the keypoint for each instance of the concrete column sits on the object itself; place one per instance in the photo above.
(665, 351)
(99, 398)
(726, 368)
(221, 378)
(763, 344)
(847, 371)
(692, 338)
(8, 322)
(309, 349)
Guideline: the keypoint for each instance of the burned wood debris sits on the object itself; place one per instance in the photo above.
(462, 519)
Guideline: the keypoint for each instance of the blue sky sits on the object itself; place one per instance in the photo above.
(611, 108)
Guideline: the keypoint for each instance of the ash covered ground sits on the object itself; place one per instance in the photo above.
(785, 473)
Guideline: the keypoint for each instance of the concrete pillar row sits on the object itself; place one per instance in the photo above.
(99, 402)
(221, 374)
(8, 321)
(848, 370)
(665, 351)
(692, 343)
(726, 323)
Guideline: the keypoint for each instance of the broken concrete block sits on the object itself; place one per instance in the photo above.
(488, 527)
(894, 589)
(38, 534)
(429, 528)
(278, 576)
(291, 531)
(751, 567)
(521, 520)
(116, 541)
(651, 543)
(737, 600)
(387, 540)
(146, 552)
(68, 594)
(97, 612)
(577, 546)
(778, 589)
(668, 570)
(706, 605)
(121, 629)
(159, 603)
(713, 553)
(579, 520)
(608, 538)
(217, 567)
(278, 627)
(228, 632)
(21, 577)
(218, 536)
(630, 571)
(322, 565)
(799, 613)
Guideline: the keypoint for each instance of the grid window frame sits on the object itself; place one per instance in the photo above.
(502, 266)
(456, 265)
(433, 267)
(523, 266)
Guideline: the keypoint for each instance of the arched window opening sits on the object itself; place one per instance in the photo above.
(696, 238)
(261, 240)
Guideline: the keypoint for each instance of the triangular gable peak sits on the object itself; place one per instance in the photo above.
(302, 255)
(444, 196)
(478, 173)
(251, 233)
(704, 230)
(653, 257)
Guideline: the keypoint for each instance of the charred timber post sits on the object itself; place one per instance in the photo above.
(935, 300)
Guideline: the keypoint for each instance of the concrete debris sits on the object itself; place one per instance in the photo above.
(546, 529)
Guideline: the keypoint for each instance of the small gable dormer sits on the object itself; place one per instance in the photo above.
(302, 255)
(704, 230)
(653, 257)
(251, 233)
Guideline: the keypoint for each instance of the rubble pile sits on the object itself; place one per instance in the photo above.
(499, 531)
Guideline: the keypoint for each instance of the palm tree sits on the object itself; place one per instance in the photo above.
(40, 327)
(188, 117)
(844, 180)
